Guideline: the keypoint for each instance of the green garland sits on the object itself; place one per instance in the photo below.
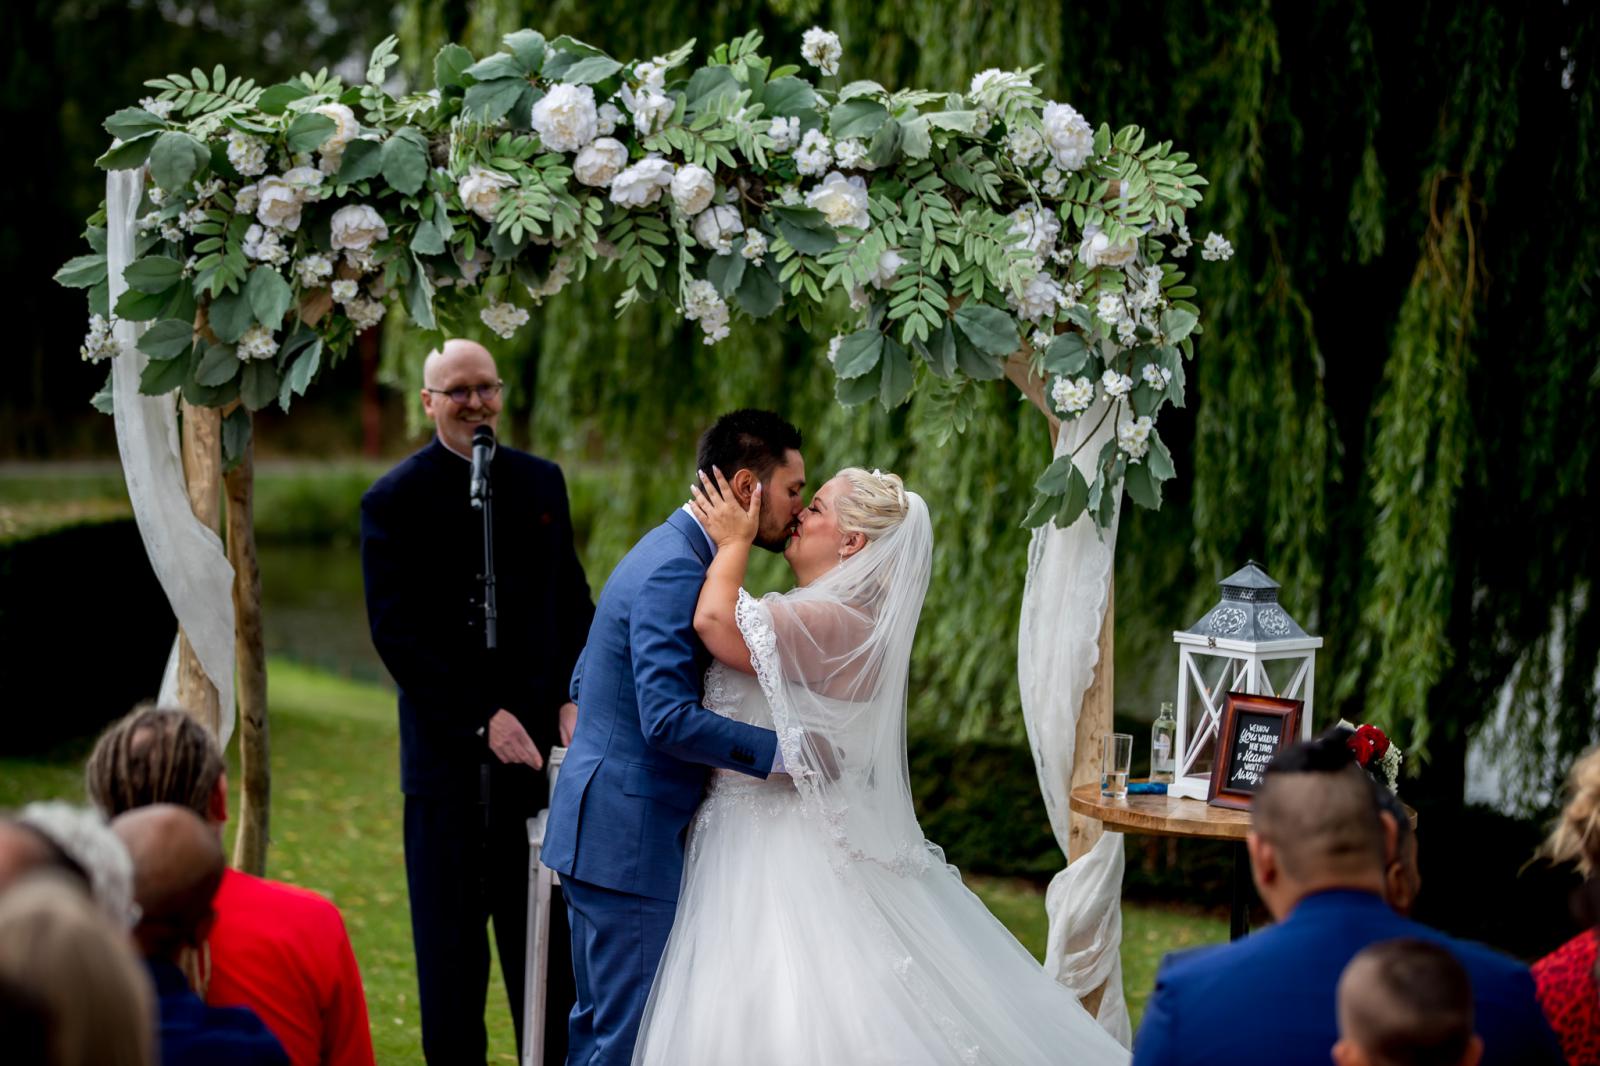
(964, 229)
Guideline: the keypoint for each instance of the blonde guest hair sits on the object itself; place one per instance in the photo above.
(1576, 836)
(82, 969)
(876, 503)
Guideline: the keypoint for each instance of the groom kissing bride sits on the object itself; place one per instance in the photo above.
(743, 869)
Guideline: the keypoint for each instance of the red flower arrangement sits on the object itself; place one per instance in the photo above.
(1369, 743)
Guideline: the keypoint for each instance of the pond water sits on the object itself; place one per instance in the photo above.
(313, 611)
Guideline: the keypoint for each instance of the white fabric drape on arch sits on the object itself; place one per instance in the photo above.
(1063, 603)
(188, 559)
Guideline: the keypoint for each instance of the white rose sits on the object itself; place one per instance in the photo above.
(716, 228)
(1097, 249)
(244, 201)
(480, 191)
(842, 201)
(1040, 298)
(889, 264)
(565, 117)
(277, 204)
(641, 184)
(357, 227)
(821, 49)
(650, 108)
(1068, 134)
(344, 290)
(305, 181)
(600, 162)
(345, 127)
(692, 189)
(1038, 229)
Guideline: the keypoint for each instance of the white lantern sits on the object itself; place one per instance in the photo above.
(1246, 643)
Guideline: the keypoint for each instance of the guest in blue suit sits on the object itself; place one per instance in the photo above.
(644, 745)
(1318, 846)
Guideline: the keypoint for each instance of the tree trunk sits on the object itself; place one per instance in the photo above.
(255, 771)
(202, 473)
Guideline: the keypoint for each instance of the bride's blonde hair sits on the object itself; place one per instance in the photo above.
(876, 503)
(1576, 836)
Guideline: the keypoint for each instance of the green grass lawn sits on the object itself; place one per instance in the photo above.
(336, 813)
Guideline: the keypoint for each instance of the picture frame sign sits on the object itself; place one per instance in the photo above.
(1253, 730)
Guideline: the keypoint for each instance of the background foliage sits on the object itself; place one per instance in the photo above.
(1393, 407)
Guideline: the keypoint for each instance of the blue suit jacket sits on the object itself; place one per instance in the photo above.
(1270, 998)
(193, 1034)
(638, 763)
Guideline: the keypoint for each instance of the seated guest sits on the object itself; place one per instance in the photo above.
(1402, 876)
(25, 850)
(1317, 852)
(81, 834)
(177, 865)
(72, 992)
(1405, 1003)
(279, 950)
(1567, 977)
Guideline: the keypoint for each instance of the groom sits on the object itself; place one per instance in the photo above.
(644, 745)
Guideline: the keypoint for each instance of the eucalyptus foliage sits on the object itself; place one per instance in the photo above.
(965, 229)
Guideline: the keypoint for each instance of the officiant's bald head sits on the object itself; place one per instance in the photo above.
(461, 391)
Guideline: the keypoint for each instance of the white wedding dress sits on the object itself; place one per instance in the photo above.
(816, 925)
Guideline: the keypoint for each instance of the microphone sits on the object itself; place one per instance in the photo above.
(483, 447)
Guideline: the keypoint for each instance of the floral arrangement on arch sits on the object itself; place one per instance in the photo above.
(964, 229)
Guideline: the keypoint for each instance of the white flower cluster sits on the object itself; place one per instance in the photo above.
(98, 343)
(357, 227)
(1041, 298)
(1038, 227)
(821, 48)
(1116, 384)
(842, 201)
(1026, 146)
(607, 119)
(641, 184)
(344, 290)
(1072, 397)
(566, 118)
(702, 304)
(649, 106)
(851, 154)
(247, 154)
(345, 130)
(481, 189)
(1133, 436)
(833, 349)
(1155, 376)
(278, 200)
(989, 85)
(264, 245)
(692, 189)
(1096, 249)
(158, 108)
(815, 154)
(504, 319)
(313, 269)
(715, 229)
(785, 133)
(257, 343)
(1069, 136)
(364, 313)
(559, 277)
(1216, 249)
(598, 165)
(755, 246)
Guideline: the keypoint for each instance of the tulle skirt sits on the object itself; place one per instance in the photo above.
(786, 952)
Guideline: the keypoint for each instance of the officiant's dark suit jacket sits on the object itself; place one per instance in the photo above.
(421, 553)
(1269, 999)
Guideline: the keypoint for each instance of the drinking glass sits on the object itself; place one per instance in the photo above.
(1116, 757)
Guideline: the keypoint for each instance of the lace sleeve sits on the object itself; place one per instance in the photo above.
(755, 625)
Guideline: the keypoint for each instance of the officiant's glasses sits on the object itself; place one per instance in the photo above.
(458, 396)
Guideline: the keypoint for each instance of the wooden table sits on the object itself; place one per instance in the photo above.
(1168, 817)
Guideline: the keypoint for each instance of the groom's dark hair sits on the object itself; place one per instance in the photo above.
(747, 439)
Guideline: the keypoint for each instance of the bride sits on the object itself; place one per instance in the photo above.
(816, 925)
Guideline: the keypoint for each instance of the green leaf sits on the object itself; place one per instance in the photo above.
(1178, 324)
(858, 353)
(276, 100)
(979, 366)
(885, 144)
(852, 392)
(1067, 354)
(1056, 476)
(758, 293)
(235, 437)
(270, 296)
(82, 272)
(153, 273)
(178, 157)
(229, 316)
(788, 97)
(488, 101)
(940, 351)
(301, 372)
(528, 46)
(217, 366)
(133, 122)
(405, 160)
(450, 64)
(960, 121)
(1159, 459)
(102, 401)
(167, 339)
(499, 65)
(308, 130)
(429, 239)
(361, 160)
(260, 385)
(100, 300)
(591, 70)
(897, 377)
(1073, 502)
(419, 296)
(804, 217)
(915, 140)
(725, 272)
(708, 85)
(989, 329)
(1143, 489)
(809, 241)
(856, 118)
(562, 54)
(1043, 509)
(860, 88)
(136, 306)
(161, 376)
(128, 154)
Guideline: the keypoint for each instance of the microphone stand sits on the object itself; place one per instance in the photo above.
(484, 503)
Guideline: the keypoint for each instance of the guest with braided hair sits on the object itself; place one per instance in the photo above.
(280, 950)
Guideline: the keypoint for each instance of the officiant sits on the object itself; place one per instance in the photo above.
(476, 725)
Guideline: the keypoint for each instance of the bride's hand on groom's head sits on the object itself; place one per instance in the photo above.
(726, 520)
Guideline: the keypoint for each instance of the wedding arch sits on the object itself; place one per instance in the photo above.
(251, 233)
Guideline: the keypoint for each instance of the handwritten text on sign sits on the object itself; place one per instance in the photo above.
(1258, 740)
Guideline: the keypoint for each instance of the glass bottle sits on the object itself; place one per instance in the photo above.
(1163, 735)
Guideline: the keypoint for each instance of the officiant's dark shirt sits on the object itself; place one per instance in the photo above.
(422, 559)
